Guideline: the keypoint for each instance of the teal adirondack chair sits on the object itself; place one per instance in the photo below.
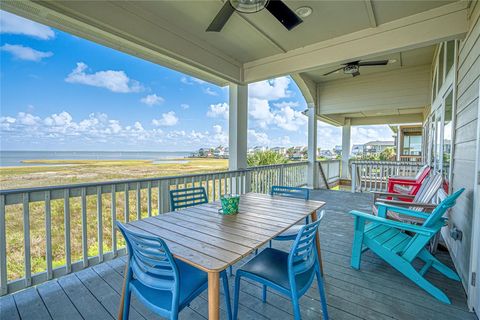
(387, 239)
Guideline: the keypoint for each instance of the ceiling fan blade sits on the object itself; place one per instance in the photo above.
(283, 14)
(373, 63)
(221, 18)
(326, 74)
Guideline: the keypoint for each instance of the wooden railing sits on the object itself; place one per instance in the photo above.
(331, 170)
(48, 232)
(373, 175)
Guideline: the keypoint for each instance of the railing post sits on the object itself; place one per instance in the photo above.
(3, 248)
(354, 177)
(248, 181)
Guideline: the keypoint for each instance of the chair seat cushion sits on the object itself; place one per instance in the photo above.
(272, 265)
(390, 238)
(402, 189)
(191, 280)
(290, 233)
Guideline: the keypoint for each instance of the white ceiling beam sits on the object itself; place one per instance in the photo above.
(307, 87)
(370, 13)
(174, 49)
(396, 119)
(419, 30)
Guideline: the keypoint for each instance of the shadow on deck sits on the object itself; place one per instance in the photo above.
(377, 291)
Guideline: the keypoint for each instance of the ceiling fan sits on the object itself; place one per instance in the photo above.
(277, 8)
(353, 67)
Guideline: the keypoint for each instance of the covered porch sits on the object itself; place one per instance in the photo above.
(376, 291)
(430, 78)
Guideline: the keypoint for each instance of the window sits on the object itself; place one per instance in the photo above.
(447, 136)
(412, 145)
(441, 65)
(450, 52)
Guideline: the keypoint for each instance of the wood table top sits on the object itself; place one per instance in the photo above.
(203, 238)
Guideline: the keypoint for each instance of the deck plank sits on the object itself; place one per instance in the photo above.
(57, 302)
(376, 291)
(8, 308)
(30, 305)
(82, 298)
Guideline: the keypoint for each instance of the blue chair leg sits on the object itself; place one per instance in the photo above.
(126, 302)
(226, 291)
(236, 296)
(296, 306)
(264, 293)
(230, 269)
(321, 291)
(270, 243)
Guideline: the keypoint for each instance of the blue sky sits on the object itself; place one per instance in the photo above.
(61, 92)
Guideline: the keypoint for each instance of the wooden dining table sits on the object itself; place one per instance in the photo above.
(212, 242)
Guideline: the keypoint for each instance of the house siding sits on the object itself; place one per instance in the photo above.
(468, 78)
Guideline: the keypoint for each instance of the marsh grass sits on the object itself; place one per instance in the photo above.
(77, 172)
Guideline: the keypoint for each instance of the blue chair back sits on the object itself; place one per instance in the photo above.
(150, 260)
(294, 192)
(183, 198)
(441, 208)
(303, 253)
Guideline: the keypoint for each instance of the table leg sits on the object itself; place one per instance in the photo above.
(317, 243)
(213, 295)
(122, 297)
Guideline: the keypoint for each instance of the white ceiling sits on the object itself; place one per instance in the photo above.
(406, 59)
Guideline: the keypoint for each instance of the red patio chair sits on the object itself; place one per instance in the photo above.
(408, 185)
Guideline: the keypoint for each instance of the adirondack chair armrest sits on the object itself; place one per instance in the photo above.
(403, 182)
(403, 178)
(392, 223)
(384, 207)
(426, 206)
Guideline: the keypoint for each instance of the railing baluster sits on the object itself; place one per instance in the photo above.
(114, 221)
(26, 240)
(68, 248)
(159, 197)
(3, 248)
(99, 224)
(139, 205)
(127, 203)
(84, 227)
(149, 198)
(48, 235)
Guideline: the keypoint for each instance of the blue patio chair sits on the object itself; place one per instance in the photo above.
(389, 241)
(291, 274)
(188, 197)
(293, 192)
(162, 283)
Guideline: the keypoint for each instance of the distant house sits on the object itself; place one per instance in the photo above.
(377, 146)
(279, 150)
(337, 150)
(259, 149)
(357, 149)
(327, 154)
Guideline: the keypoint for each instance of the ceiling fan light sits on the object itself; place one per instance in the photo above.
(351, 69)
(392, 61)
(304, 12)
(248, 6)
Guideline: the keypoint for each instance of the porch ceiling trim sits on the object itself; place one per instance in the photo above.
(181, 52)
(394, 119)
(419, 30)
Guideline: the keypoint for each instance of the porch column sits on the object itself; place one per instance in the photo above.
(398, 141)
(312, 174)
(345, 150)
(237, 127)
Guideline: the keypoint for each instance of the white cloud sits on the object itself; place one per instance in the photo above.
(115, 81)
(283, 104)
(259, 110)
(191, 80)
(218, 110)
(12, 24)
(217, 128)
(62, 119)
(364, 134)
(210, 92)
(25, 53)
(167, 120)
(184, 106)
(290, 119)
(27, 119)
(270, 89)
(152, 99)
(256, 138)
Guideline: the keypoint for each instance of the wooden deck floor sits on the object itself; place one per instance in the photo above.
(375, 292)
